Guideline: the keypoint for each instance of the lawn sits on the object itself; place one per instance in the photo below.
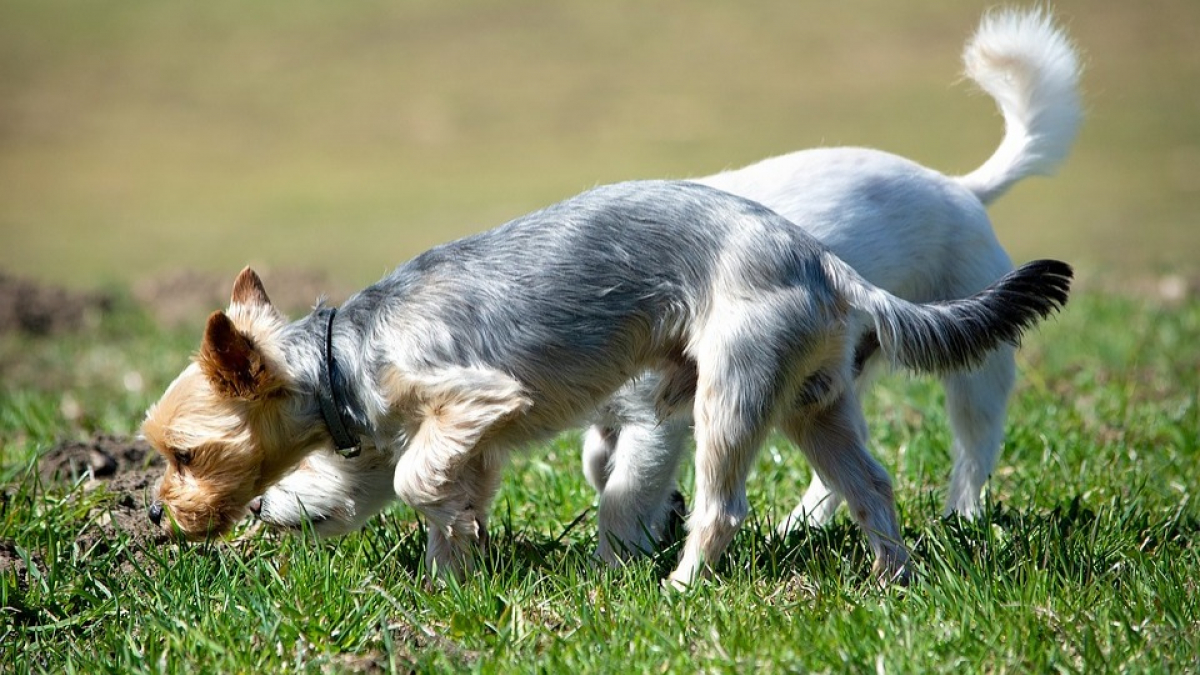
(1085, 561)
(326, 142)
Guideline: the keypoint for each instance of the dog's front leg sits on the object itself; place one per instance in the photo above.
(430, 479)
(450, 469)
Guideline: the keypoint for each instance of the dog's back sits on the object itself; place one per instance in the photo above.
(619, 273)
(648, 247)
(903, 226)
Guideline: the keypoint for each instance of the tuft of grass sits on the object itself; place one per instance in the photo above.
(1085, 560)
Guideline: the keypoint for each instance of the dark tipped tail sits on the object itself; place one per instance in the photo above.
(1000, 313)
(958, 334)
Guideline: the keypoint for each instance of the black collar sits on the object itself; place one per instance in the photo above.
(347, 444)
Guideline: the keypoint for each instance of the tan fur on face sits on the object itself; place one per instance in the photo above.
(212, 462)
(224, 425)
(221, 452)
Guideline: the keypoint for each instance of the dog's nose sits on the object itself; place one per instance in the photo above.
(255, 506)
(156, 512)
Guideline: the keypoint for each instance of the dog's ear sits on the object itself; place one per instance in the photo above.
(232, 362)
(248, 289)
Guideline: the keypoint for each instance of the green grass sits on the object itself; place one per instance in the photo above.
(1086, 561)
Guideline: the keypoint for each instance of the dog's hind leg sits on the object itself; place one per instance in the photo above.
(740, 381)
(816, 508)
(976, 403)
(833, 438)
(635, 502)
(820, 503)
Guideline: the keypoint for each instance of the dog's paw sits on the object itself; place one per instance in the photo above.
(687, 578)
(895, 570)
(673, 584)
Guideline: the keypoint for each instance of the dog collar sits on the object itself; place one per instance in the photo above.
(347, 445)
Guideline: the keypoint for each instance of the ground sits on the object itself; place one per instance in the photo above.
(1086, 557)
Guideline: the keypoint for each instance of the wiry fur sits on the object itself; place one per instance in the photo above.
(917, 233)
(505, 338)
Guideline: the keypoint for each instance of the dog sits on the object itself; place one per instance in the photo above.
(508, 337)
(920, 234)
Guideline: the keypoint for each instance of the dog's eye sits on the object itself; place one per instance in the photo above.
(183, 457)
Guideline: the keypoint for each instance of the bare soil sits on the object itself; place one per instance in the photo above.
(13, 563)
(116, 526)
(125, 467)
(39, 309)
(101, 457)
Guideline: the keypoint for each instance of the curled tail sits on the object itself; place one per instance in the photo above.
(957, 334)
(1030, 68)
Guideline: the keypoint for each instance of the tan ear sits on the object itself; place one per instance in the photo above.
(248, 289)
(232, 362)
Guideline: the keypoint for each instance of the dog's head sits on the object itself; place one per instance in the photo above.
(224, 425)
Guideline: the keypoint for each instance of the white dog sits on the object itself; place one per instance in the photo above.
(921, 235)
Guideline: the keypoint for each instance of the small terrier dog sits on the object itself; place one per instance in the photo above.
(919, 234)
(508, 337)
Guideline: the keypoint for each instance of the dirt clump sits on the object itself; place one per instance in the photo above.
(115, 478)
(13, 564)
(39, 309)
(127, 468)
(101, 457)
(127, 514)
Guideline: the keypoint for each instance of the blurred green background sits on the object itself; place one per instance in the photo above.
(140, 136)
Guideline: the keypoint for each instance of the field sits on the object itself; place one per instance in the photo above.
(149, 150)
(1086, 560)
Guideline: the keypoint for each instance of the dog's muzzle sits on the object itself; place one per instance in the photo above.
(155, 513)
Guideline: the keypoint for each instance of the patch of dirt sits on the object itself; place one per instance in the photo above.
(127, 513)
(12, 564)
(187, 297)
(103, 457)
(14, 571)
(126, 467)
(115, 530)
(368, 663)
(38, 309)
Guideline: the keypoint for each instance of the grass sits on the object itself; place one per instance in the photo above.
(1086, 560)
